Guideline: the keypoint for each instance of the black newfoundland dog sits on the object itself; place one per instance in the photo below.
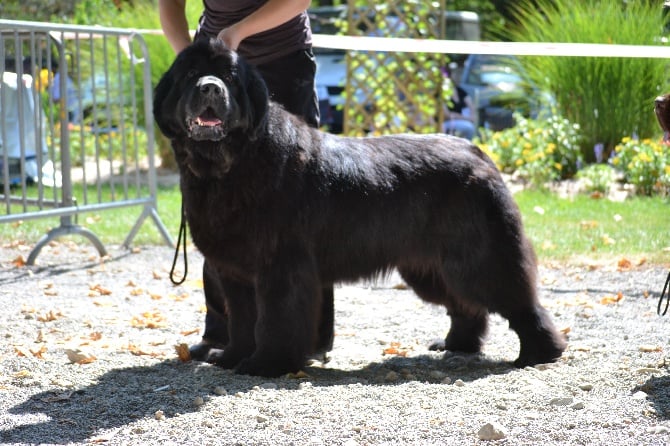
(281, 210)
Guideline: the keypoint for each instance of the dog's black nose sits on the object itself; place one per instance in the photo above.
(210, 85)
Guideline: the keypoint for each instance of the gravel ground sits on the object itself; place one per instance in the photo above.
(89, 357)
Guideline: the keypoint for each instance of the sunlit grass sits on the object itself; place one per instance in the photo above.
(581, 228)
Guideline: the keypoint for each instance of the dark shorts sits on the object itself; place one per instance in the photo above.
(290, 80)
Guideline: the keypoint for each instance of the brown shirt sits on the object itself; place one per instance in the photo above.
(263, 47)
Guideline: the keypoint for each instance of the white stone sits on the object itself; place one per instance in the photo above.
(491, 431)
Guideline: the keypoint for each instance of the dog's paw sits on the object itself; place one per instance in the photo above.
(227, 358)
(438, 345)
(202, 350)
(541, 353)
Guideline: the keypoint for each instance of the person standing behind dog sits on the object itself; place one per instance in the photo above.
(275, 36)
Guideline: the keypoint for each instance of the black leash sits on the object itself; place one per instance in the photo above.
(665, 295)
(181, 240)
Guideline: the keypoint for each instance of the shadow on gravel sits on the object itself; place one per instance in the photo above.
(24, 273)
(657, 389)
(122, 396)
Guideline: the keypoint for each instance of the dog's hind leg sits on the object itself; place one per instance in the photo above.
(469, 322)
(510, 289)
(539, 340)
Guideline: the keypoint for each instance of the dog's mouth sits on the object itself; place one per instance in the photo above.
(207, 126)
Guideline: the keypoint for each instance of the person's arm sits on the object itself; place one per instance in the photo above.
(270, 15)
(172, 15)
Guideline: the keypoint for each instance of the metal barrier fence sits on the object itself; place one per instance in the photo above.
(76, 127)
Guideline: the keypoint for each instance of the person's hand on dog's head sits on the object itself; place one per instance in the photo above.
(230, 37)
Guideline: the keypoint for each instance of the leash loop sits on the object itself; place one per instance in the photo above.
(181, 240)
(665, 295)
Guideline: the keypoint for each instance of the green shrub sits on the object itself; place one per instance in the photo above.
(608, 97)
(537, 150)
(644, 163)
(597, 177)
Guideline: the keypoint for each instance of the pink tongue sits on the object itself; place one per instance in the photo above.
(207, 122)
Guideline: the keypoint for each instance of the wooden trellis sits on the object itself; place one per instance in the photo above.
(389, 92)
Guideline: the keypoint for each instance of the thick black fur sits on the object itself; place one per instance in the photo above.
(280, 209)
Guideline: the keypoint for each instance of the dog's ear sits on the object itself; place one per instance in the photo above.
(164, 118)
(257, 93)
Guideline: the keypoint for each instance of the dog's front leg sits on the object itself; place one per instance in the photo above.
(288, 299)
(240, 304)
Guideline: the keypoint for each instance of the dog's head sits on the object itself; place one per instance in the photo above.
(209, 93)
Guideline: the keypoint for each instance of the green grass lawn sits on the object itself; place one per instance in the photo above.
(574, 230)
(582, 228)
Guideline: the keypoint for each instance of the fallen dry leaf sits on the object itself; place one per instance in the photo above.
(650, 348)
(99, 289)
(149, 319)
(588, 224)
(190, 332)
(50, 316)
(22, 374)
(608, 300)
(396, 350)
(19, 262)
(78, 357)
(38, 353)
(183, 352)
(138, 351)
(624, 264)
(299, 375)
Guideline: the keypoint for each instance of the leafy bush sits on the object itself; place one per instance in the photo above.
(608, 97)
(537, 150)
(644, 163)
(597, 177)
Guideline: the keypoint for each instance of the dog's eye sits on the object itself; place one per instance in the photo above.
(191, 73)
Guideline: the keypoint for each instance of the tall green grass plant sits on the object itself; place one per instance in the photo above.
(609, 98)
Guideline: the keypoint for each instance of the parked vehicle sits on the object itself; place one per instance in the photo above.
(498, 88)
(331, 63)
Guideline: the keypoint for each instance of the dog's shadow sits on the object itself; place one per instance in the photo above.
(123, 396)
(657, 389)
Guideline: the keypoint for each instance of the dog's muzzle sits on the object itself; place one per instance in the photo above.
(211, 86)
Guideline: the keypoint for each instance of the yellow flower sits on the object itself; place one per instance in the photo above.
(625, 139)
(551, 147)
(519, 162)
(558, 166)
(644, 157)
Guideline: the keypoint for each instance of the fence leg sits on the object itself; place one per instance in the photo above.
(66, 228)
(149, 211)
